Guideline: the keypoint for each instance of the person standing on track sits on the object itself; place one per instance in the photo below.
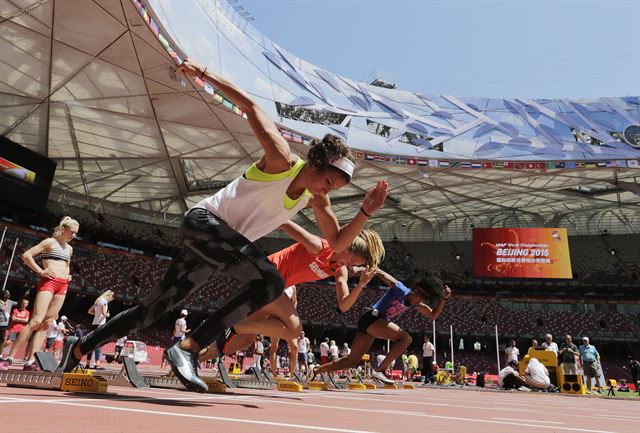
(376, 321)
(217, 235)
(55, 253)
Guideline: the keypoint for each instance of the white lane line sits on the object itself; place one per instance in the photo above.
(383, 400)
(369, 411)
(529, 420)
(206, 417)
(632, 418)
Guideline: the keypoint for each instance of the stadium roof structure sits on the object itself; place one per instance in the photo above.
(93, 85)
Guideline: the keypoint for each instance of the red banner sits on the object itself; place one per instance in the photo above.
(521, 253)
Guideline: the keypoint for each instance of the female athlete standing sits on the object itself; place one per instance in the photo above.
(55, 253)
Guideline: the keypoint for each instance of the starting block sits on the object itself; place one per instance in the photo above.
(83, 382)
(317, 386)
(408, 386)
(370, 385)
(357, 387)
(289, 386)
(389, 386)
(215, 386)
(46, 361)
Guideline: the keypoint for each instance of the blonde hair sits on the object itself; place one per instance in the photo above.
(67, 221)
(368, 245)
(105, 294)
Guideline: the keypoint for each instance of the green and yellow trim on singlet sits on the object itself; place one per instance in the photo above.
(255, 174)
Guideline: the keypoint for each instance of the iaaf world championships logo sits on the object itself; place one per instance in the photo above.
(631, 135)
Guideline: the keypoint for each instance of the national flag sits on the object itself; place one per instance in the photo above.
(499, 165)
(443, 163)
(519, 165)
(379, 158)
(453, 164)
(530, 165)
(571, 164)
(400, 160)
(411, 161)
(590, 164)
(465, 164)
(540, 165)
(424, 162)
(601, 164)
(508, 165)
(433, 163)
(475, 164)
(559, 164)
(359, 155)
(580, 164)
(369, 157)
(621, 163)
(610, 163)
(488, 165)
(633, 163)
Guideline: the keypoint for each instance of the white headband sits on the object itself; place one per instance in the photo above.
(345, 165)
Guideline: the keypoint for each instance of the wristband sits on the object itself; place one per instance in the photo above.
(365, 214)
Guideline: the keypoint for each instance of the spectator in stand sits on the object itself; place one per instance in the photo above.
(634, 370)
(427, 359)
(333, 351)
(61, 331)
(119, 346)
(511, 353)
(52, 333)
(303, 347)
(590, 360)
(19, 318)
(100, 312)
(549, 344)
(258, 352)
(6, 305)
(404, 366)
(534, 344)
(311, 359)
(180, 328)
(412, 364)
(536, 374)
(509, 378)
(346, 351)
(324, 351)
(54, 276)
(568, 353)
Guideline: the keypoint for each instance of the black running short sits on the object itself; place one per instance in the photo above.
(367, 319)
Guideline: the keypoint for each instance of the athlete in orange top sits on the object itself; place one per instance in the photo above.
(310, 259)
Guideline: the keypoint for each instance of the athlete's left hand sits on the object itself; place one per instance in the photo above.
(375, 197)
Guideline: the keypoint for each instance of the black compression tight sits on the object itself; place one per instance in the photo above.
(209, 248)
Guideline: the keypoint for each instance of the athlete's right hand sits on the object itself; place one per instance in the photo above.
(191, 68)
(48, 273)
(367, 275)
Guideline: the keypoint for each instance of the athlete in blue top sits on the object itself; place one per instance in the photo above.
(376, 321)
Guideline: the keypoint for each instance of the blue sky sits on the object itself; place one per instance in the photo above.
(540, 49)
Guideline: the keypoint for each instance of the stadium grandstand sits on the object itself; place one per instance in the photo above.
(137, 144)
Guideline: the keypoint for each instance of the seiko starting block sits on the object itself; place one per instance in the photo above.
(83, 382)
(357, 387)
(289, 386)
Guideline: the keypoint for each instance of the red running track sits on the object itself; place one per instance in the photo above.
(243, 411)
